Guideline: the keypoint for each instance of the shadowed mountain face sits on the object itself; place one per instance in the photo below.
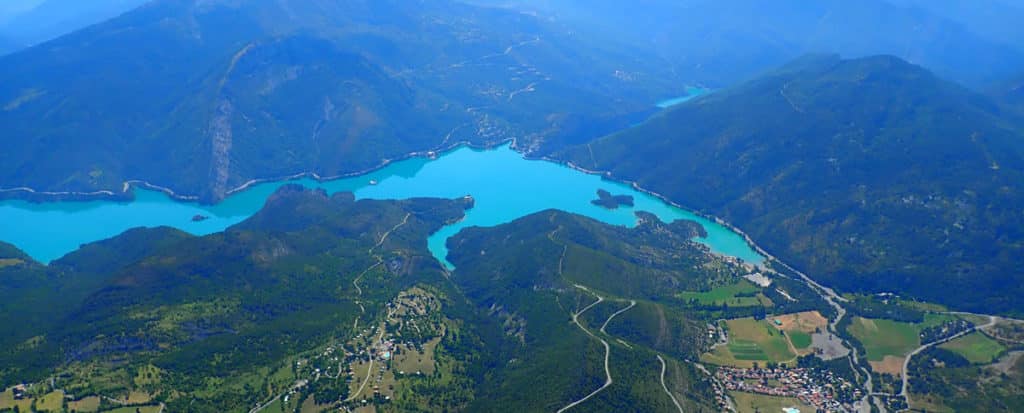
(245, 90)
(723, 41)
(870, 174)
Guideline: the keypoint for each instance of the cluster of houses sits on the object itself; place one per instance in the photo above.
(819, 389)
(20, 392)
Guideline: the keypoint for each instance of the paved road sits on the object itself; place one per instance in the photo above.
(607, 349)
(663, 386)
(632, 303)
(258, 408)
(369, 370)
(906, 363)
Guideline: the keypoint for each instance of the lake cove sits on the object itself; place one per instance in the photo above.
(504, 185)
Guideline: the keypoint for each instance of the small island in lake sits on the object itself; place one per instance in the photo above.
(199, 218)
(607, 200)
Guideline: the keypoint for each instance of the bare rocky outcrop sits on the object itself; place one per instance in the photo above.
(220, 144)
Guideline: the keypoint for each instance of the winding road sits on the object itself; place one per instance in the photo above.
(359, 292)
(607, 350)
(663, 386)
(992, 320)
(632, 303)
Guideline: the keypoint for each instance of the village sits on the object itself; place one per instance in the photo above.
(820, 389)
(371, 365)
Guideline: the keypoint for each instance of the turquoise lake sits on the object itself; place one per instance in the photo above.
(504, 184)
(692, 92)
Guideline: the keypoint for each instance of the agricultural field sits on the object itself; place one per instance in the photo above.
(7, 401)
(10, 262)
(807, 322)
(752, 341)
(412, 361)
(799, 327)
(51, 402)
(801, 340)
(887, 342)
(740, 294)
(976, 348)
(751, 403)
(142, 409)
(882, 338)
(88, 404)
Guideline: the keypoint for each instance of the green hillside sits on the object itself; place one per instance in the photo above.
(869, 174)
(245, 90)
(535, 273)
(230, 320)
(214, 316)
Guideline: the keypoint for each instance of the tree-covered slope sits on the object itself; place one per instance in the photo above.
(533, 275)
(203, 96)
(870, 174)
(225, 308)
(289, 307)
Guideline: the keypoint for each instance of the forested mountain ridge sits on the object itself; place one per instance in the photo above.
(531, 275)
(871, 174)
(259, 90)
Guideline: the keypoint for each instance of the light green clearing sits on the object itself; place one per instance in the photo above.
(752, 340)
(976, 348)
(750, 403)
(800, 339)
(882, 338)
(726, 295)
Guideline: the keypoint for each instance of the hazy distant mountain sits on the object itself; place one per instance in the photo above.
(995, 20)
(722, 41)
(870, 174)
(203, 96)
(35, 21)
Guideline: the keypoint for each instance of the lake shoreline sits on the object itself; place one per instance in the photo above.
(606, 175)
(127, 194)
